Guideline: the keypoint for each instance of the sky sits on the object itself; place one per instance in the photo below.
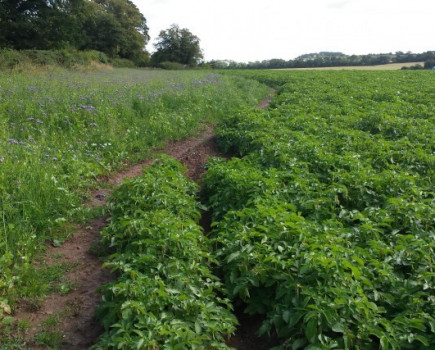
(254, 30)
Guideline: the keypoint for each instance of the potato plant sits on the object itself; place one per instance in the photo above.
(166, 296)
(326, 225)
(62, 131)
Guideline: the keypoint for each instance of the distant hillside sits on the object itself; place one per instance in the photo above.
(320, 55)
(333, 59)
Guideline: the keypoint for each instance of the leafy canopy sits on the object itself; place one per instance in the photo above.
(177, 45)
(115, 27)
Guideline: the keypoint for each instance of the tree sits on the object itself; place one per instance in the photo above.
(177, 45)
(24, 24)
(119, 29)
(115, 27)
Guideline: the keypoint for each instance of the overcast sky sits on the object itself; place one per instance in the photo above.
(251, 30)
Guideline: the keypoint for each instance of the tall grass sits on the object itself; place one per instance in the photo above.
(60, 131)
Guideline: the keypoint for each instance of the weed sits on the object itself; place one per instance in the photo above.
(12, 334)
(49, 333)
(62, 131)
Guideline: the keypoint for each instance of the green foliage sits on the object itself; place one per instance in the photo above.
(12, 333)
(49, 333)
(62, 131)
(430, 63)
(122, 63)
(177, 45)
(171, 65)
(330, 59)
(326, 225)
(115, 27)
(165, 295)
(68, 58)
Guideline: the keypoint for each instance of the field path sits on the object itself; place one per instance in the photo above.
(74, 310)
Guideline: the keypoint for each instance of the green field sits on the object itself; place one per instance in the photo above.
(325, 221)
(323, 215)
(390, 66)
(61, 131)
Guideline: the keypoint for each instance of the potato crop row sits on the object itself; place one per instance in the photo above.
(165, 296)
(326, 225)
(62, 131)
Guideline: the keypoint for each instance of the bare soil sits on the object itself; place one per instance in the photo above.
(246, 337)
(75, 309)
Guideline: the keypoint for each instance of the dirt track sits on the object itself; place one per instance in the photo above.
(76, 309)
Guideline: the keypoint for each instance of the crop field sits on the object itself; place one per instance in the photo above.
(322, 209)
(61, 132)
(162, 254)
(325, 221)
(389, 66)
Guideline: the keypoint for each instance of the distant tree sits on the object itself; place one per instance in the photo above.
(276, 63)
(177, 45)
(429, 64)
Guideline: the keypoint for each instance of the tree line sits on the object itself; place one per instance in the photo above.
(118, 29)
(331, 59)
(114, 27)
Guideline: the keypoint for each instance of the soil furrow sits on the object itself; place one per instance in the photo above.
(75, 309)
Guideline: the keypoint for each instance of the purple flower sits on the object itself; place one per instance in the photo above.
(88, 108)
(13, 141)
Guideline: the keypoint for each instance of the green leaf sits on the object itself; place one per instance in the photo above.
(338, 327)
(232, 256)
(355, 271)
(311, 330)
(384, 343)
(295, 317)
(422, 340)
(286, 316)
(198, 328)
(140, 343)
(298, 343)
(265, 328)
